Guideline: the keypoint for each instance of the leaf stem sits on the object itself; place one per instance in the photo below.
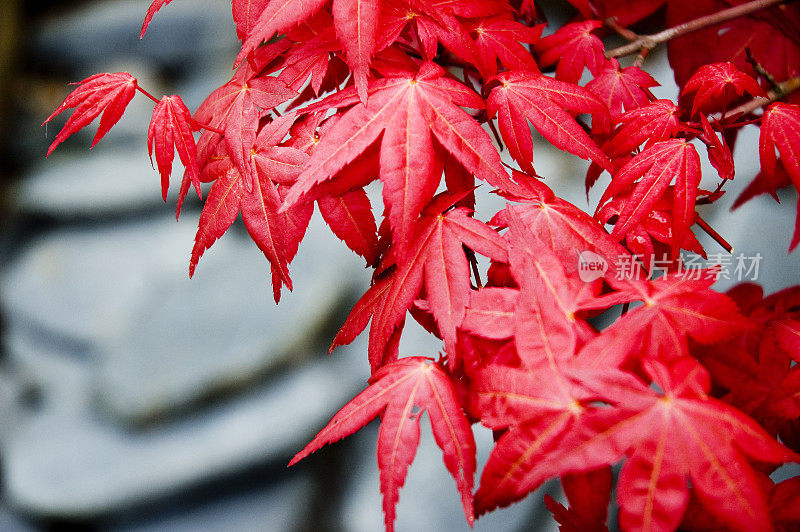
(140, 89)
(648, 42)
(713, 234)
(620, 30)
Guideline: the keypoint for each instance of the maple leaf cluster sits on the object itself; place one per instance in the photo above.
(694, 391)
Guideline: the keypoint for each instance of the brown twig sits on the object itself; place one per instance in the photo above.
(648, 42)
(781, 90)
(622, 31)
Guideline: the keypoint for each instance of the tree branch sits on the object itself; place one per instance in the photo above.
(781, 90)
(645, 43)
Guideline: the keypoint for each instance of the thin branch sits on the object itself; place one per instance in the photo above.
(648, 42)
(622, 31)
(781, 90)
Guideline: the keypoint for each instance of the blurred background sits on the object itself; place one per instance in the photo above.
(134, 399)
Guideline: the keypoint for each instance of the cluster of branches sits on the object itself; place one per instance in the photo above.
(694, 390)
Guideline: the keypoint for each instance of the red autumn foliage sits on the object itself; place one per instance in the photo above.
(694, 391)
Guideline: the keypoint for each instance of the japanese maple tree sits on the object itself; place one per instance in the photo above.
(693, 391)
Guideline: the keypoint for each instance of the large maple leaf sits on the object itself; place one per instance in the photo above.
(400, 393)
(549, 105)
(675, 305)
(106, 93)
(536, 409)
(649, 175)
(670, 439)
(436, 260)
(667, 440)
(410, 110)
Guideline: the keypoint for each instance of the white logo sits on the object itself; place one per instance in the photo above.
(591, 266)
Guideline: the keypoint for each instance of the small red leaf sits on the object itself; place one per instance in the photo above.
(171, 129)
(102, 93)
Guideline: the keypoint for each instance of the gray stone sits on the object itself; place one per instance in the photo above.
(277, 508)
(104, 184)
(181, 33)
(160, 340)
(11, 523)
(221, 330)
(77, 465)
(82, 284)
(106, 317)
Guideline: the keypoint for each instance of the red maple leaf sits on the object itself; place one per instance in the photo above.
(681, 435)
(410, 110)
(170, 130)
(622, 89)
(648, 175)
(499, 39)
(549, 105)
(667, 440)
(717, 85)
(574, 48)
(535, 409)
(675, 305)
(102, 93)
(400, 393)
